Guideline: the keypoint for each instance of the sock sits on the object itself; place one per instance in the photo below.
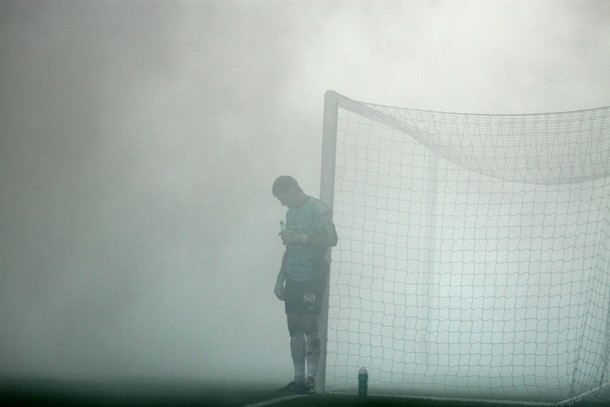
(297, 349)
(313, 353)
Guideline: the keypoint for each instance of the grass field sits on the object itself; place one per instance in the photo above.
(14, 392)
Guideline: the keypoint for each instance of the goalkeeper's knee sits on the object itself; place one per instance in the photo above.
(298, 345)
(313, 343)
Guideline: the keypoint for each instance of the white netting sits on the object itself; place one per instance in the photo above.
(474, 253)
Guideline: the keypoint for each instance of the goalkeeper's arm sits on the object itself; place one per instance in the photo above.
(279, 281)
(327, 237)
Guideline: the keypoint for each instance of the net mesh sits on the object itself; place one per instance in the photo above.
(474, 253)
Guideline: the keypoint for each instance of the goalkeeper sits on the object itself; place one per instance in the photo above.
(308, 234)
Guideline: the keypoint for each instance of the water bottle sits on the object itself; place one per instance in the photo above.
(363, 378)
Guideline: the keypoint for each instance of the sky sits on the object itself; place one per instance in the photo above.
(139, 141)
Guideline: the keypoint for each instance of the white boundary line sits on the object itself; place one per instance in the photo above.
(276, 400)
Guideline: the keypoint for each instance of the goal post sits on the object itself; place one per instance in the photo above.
(327, 192)
(474, 252)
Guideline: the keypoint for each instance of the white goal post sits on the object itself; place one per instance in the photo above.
(474, 253)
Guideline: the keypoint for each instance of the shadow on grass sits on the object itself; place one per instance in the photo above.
(130, 393)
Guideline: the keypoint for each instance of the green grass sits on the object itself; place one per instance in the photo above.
(17, 393)
(27, 392)
(342, 400)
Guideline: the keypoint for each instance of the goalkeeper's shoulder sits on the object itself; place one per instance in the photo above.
(323, 221)
(328, 232)
(321, 206)
(322, 212)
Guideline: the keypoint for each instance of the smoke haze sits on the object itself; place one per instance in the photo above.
(139, 141)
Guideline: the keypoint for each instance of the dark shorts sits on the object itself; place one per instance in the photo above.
(305, 297)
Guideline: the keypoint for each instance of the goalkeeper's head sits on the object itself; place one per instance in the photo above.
(288, 191)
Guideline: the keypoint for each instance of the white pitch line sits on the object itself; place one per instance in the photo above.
(276, 400)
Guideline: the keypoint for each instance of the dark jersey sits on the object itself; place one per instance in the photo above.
(311, 218)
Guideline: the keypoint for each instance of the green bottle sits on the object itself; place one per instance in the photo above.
(363, 378)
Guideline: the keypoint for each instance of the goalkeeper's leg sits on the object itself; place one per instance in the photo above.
(298, 351)
(298, 348)
(310, 324)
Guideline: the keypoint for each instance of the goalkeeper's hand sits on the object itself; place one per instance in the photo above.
(279, 290)
(290, 236)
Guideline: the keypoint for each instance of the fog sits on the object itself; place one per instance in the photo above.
(139, 141)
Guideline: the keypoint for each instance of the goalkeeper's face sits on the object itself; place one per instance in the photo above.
(290, 198)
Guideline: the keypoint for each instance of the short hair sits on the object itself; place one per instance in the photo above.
(283, 184)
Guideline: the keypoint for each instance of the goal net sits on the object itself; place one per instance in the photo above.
(474, 252)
